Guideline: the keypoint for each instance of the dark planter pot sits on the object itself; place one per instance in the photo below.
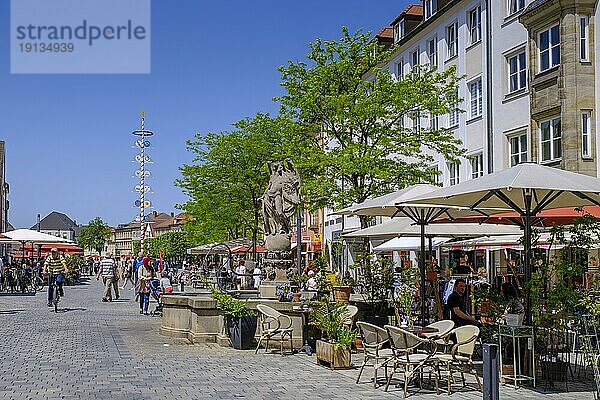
(241, 331)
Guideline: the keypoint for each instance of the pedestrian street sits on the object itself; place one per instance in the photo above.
(96, 350)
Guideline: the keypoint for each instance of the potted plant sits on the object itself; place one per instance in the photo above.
(334, 349)
(378, 281)
(239, 319)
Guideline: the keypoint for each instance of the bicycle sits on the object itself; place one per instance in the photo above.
(55, 293)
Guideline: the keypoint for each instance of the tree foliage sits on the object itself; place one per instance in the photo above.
(228, 177)
(173, 244)
(357, 141)
(95, 235)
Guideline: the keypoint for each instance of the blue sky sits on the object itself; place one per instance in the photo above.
(68, 137)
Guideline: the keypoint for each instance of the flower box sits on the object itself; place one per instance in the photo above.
(335, 359)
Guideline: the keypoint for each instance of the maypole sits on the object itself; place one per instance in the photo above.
(142, 173)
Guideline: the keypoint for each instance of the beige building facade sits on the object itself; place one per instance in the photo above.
(562, 78)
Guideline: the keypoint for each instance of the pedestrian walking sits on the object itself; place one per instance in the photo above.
(106, 270)
(145, 274)
(115, 280)
(128, 274)
(136, 264)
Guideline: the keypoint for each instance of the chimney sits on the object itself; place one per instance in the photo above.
(172, 214)
(155, 213)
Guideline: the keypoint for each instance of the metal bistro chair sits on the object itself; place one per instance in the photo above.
(460, 357)
(274, 325)
(406, 359)
(373, 340)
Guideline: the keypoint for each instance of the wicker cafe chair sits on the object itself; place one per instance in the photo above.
(460, 357)
(442, 336)
(406, 359)
(373, 340)
(274, 325)
(349, 315)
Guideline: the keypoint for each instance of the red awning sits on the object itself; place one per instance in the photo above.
(546, 218)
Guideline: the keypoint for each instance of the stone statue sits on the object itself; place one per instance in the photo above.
(279, 204)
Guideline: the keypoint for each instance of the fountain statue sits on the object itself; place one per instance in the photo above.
(279, 203)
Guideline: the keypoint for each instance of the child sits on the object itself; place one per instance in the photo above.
(165, 283)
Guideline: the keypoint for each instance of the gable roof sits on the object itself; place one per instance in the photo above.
(56, 221)
(414, 10)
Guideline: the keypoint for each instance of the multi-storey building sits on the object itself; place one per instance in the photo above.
(563, 83)
(529, 88)
(59, 225)
(159, 223)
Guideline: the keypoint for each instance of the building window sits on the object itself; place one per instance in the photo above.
(452, 39)
(435, 174)
(454, 173)
(551, 140)
(475, 25)
(476, 165)
(586, 134)
(430, 8)
(584, 32)
(414, 58)
(433, 122)
(416, 123)
(515, 6)
(400, 70)
(399, 31)
(518, 149)
(432, 52)
(549, 47)
(475, 98)
(517, 72)
(453, 115)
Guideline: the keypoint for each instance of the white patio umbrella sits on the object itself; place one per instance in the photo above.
(527, 189)
(27, 235)
(386, 205)
(400, 202)
(24, 236)
(406, 243)
(402, 226)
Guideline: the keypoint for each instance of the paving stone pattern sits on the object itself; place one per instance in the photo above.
(95, 350)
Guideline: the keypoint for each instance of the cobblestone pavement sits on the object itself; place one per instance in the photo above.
(95, 350)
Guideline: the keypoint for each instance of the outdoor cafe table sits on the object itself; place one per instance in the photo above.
(306, 328)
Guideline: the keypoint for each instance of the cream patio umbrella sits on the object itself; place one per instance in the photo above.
(28, 236)
(400, 203)
(526, 188)
(403, 226)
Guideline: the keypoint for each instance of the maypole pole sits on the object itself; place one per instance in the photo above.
(142, 173)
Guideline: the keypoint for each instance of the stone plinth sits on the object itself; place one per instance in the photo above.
(194, 317)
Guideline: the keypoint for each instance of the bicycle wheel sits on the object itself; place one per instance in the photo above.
(55, 297)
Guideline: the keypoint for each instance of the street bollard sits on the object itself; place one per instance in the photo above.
(181, 285)
(491, 383)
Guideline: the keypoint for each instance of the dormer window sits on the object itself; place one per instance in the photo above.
(430, 8)
(398, 31)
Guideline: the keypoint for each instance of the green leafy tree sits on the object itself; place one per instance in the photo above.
(174, 245)
(228, 177)
(95, 235)
(357, 142)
